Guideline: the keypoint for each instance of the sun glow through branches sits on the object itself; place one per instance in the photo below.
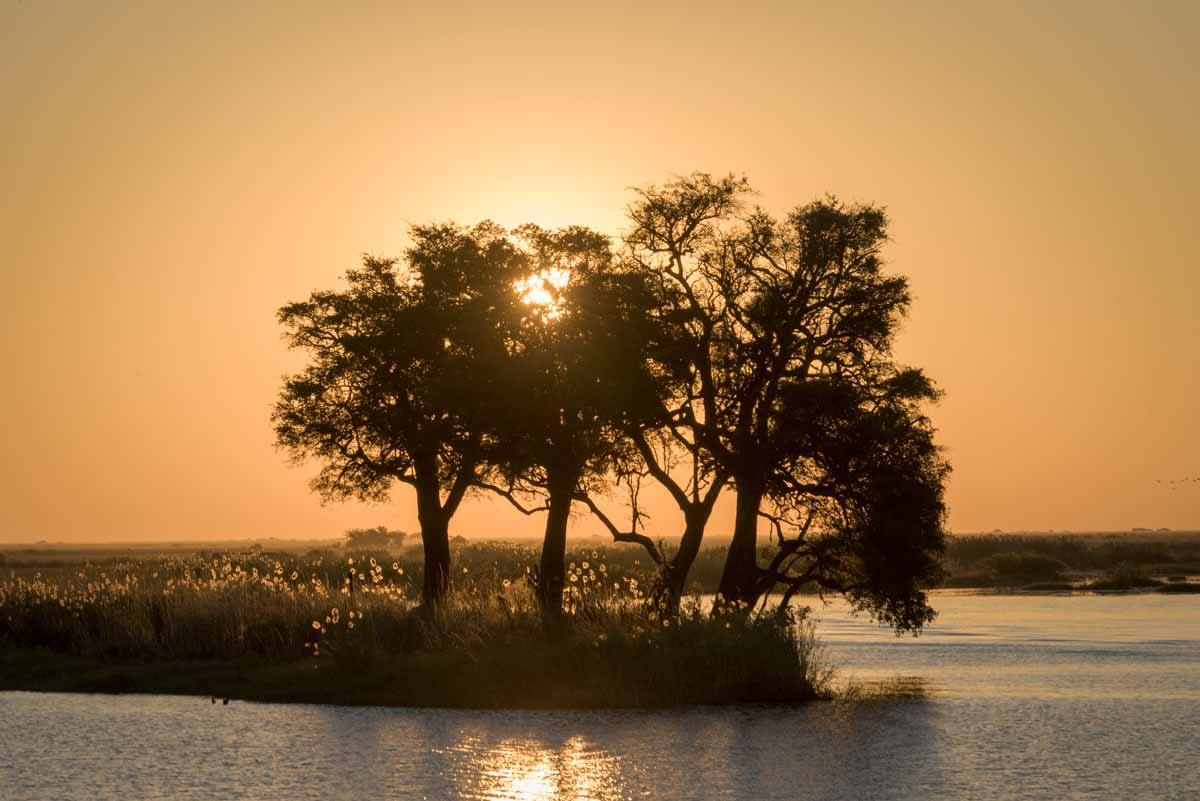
(543, 291)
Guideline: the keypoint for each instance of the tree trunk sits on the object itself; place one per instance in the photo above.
(740, 575)
(552, 569)
(681, 564)
(437, 562)
(435, 537)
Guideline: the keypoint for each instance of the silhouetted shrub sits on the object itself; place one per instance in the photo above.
(1139, 553)
(378, 538)
(1024, 566)
(1126, 576)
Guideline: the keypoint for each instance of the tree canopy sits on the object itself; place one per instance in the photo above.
(388, 395)
(777, 333)
(719, 346)
(571, 380)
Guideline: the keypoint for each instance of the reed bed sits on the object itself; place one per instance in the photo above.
(356, 617)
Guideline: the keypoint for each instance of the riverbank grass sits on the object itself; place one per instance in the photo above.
(248, 627)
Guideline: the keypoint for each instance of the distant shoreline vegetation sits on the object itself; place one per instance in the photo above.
(1098, 562)
(991, 560)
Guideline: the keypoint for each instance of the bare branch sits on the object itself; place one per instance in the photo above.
(509, 495)
(622, 536)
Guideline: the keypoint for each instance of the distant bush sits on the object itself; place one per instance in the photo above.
(972, 551)
(1139, 553)
(1024, 566)
(379, 537)
(1049, 586)
(1126, 576)
(1180, 588)
(967, 558)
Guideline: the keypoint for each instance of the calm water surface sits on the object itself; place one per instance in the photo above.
(1029, 697)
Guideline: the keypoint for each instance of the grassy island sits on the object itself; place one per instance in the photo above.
(345, 625)
(347, 629)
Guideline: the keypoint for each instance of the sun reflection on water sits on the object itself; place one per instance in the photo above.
(532, 770)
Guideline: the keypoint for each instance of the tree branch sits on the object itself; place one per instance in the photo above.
(622, 536)
(510, 496)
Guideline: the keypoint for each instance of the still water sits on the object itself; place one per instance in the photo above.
(1028, 697)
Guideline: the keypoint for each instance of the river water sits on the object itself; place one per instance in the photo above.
(1024, 697)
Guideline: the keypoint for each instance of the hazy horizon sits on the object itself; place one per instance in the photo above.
(711, 539)
(176, 174)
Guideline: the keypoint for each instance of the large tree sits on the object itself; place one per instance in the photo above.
(570, 380)
(673, 230)
(753, 310)
(856, 507)
(806, 299)
(720, 347)
(389, 394)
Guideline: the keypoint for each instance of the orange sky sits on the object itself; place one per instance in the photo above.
(172, 176)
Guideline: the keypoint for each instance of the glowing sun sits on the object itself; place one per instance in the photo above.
(544, 291)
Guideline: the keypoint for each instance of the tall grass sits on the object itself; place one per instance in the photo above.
(355, 616)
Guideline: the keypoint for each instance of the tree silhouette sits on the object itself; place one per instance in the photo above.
(389, 394)
(755, 313)
(721, 346)
(569, 382)
(805, 300)
(673, 228)
(859, 486)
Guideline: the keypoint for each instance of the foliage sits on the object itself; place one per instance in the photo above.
(1024, 566)
(568, 380)
(721, 344)
(380, 537)
(484, 646)
(776, 336)
(390, 393)
(1125, 576)
(968, 556)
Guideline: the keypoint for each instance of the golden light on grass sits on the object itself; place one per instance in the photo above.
(244, 590)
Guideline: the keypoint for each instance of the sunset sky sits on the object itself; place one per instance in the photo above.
(173, 176)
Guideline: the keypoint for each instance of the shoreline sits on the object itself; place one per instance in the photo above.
(381, 684)
(422, 680)
(1056, 588)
